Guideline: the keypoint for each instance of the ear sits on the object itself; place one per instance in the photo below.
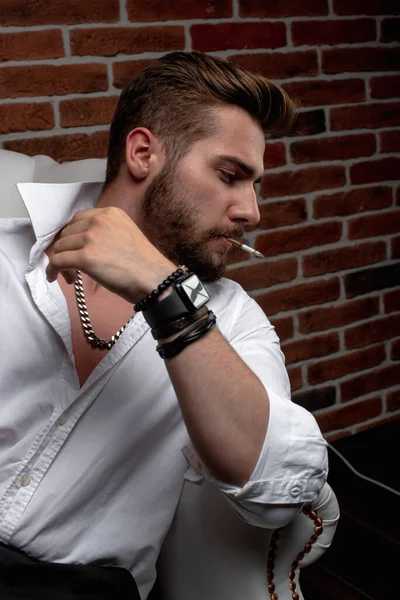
(142, 152)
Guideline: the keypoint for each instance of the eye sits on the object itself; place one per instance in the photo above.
(228, 176)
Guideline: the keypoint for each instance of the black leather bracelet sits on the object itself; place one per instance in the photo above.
(152, 297)
(178, 324)
(193, 333)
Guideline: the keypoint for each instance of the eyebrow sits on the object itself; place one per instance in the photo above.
(249, 170)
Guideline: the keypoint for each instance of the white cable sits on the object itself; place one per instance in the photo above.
(385, 487)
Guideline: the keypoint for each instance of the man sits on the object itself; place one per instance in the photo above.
(97, 430)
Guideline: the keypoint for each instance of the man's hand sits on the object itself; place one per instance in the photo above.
(108, 246)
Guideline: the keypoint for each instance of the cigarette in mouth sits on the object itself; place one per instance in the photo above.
(246, 248)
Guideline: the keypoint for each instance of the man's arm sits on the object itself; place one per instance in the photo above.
(224, 405)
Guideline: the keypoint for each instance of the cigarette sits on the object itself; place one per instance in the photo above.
(246, 248)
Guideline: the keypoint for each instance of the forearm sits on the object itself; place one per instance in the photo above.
(224, 405)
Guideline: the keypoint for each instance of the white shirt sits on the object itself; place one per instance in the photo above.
(94, 474)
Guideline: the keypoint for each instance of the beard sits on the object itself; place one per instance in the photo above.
(170, 217)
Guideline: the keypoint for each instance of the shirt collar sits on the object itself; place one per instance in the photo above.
(52, 205)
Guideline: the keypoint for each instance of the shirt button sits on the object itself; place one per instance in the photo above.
(62, 419)
(295, 491)
(25, 480)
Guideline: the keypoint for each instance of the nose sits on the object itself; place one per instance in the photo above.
(245, 209)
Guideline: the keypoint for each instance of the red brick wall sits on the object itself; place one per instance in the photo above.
(330, 199)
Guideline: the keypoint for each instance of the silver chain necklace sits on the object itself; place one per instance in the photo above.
(92, 338)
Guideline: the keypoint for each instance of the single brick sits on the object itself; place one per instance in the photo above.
(385, 87)
(390, 141)
(274, 155)
(26, 117)
(351, 362)
(238, 36)
(346, 416)
(311, 347)
(393, 401)
(395, 352)
(43, 12)
(390, 30)
(343, 258)
(378, 379)
(376, 423)
(31, 45)
(296, 378)
(281, 214)
(298, 238)
(279, 65)
(50, 80)
(309, 122)
(326, 92)
(299, 296)
(63, 147)
(125, 71)
(87, 111)
(316, 399)
(333, 32)
(386, 169)
(352, 202)
(391, 301)
(165, 10)
(283, 8)
(126, 40)
(333, 148)
(395, 247)
(363, 7)
(283, 327)
(372, 279)
(266, 274)
(293, 183)
(367, 116)
(342, 60)
(318, 319)
(372, 332)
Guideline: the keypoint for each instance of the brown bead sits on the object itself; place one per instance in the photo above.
(270, 565)
(313, 515)
(271, 587)
(314, 538)
(292, 575)
(318, 530)
(318, 522)
(272, 545)
(307, 548)
(292, 586)
(295, 596)
(300, 556)
(274, 597)
(295, 564)
(270, 577)
(307, 509)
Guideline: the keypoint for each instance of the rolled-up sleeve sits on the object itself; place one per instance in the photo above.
(293, 465)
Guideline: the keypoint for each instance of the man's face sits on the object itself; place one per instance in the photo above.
(189, 209)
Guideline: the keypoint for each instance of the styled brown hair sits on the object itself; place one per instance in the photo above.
(172, 98)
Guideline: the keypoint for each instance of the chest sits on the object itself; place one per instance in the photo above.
(108, 313)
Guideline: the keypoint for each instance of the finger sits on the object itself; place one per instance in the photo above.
(88, 213)
(76, 227)
(74, 241)
(69, 276)
(63, 261)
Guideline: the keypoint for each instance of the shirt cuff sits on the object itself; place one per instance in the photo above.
(292, 467)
